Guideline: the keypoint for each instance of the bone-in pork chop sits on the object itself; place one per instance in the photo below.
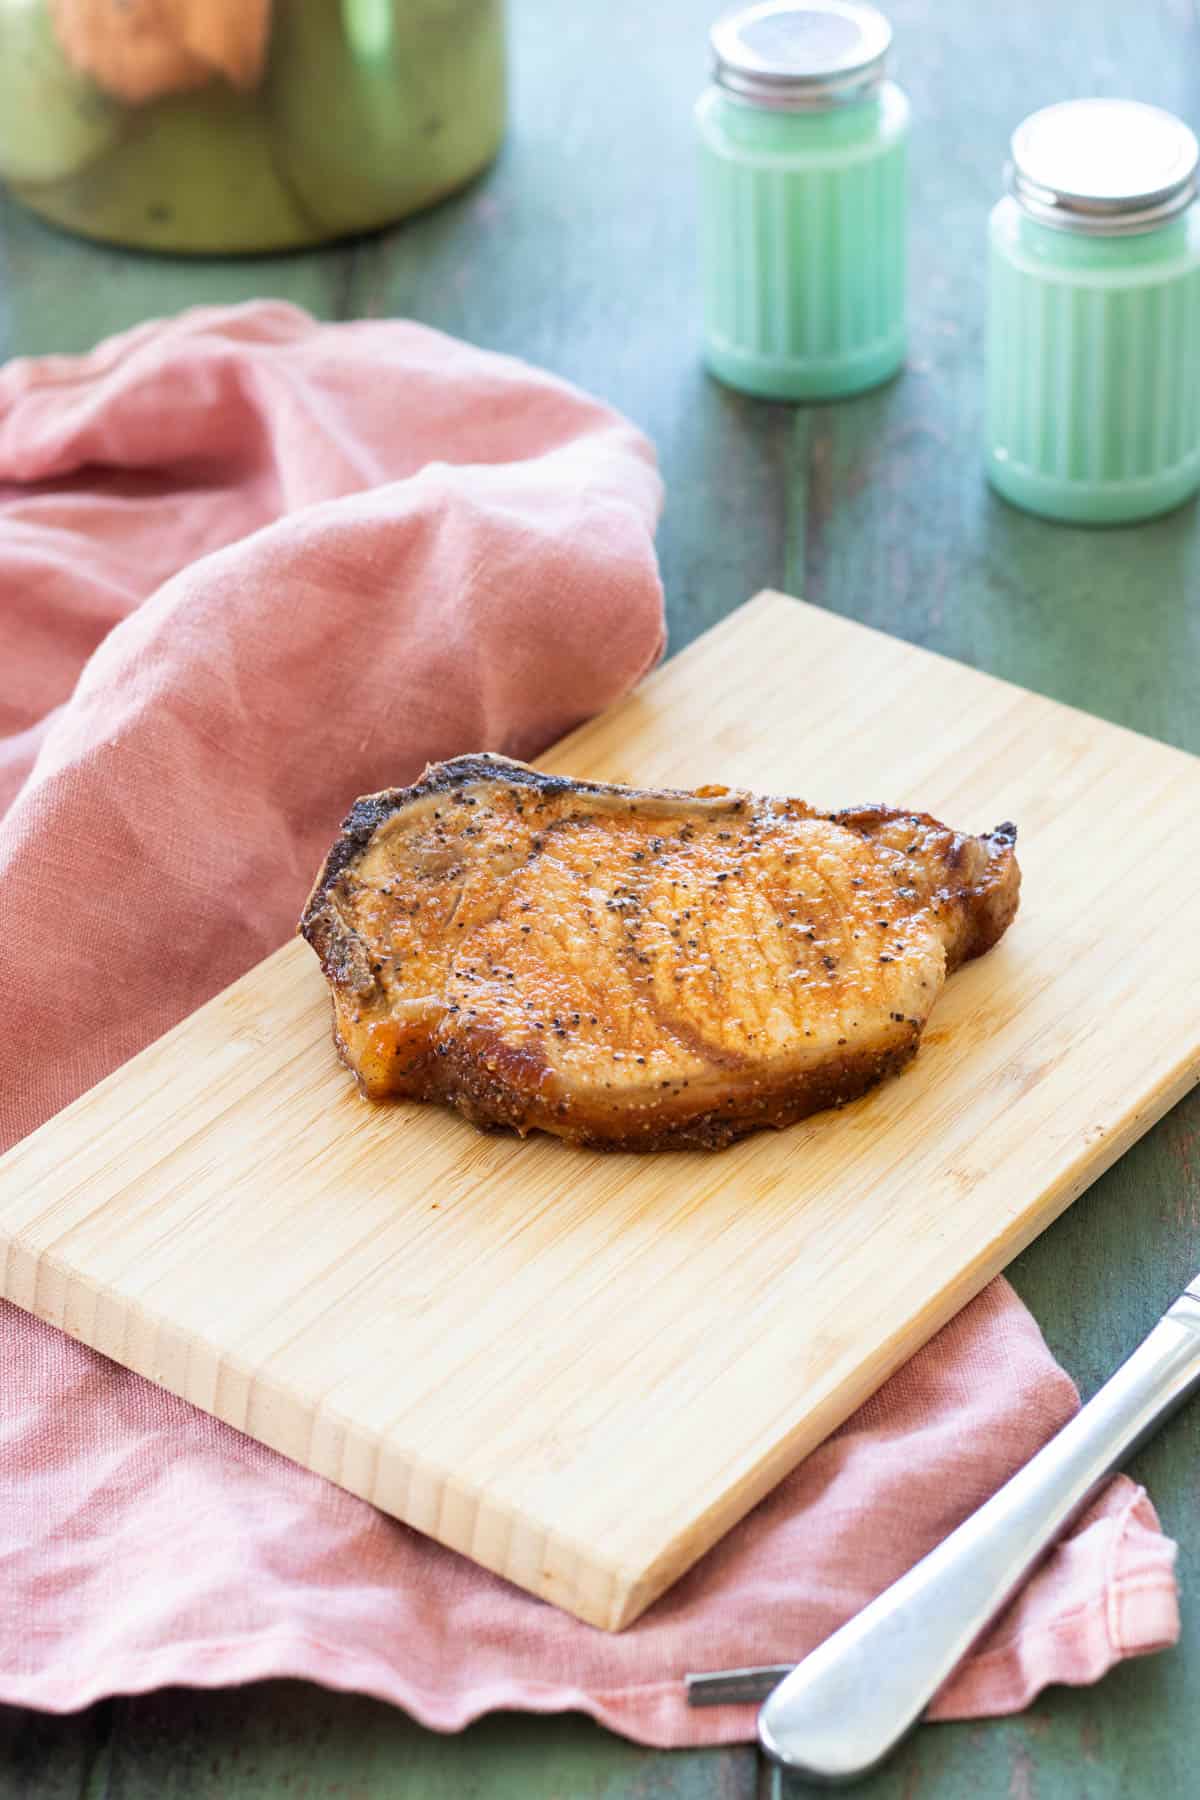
(634, 969)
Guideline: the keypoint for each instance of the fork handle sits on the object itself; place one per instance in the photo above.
(843, 1709)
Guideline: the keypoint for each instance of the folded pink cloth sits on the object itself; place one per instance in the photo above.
(250, 567)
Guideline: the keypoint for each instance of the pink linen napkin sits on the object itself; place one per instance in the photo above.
(250, 567)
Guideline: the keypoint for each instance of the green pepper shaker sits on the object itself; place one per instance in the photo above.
(803, 200)
(1093, 342)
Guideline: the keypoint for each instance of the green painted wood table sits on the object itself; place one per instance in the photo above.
(577, 251)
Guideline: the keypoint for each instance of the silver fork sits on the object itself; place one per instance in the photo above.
(840, 1712)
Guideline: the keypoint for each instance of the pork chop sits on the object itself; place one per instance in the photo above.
(640, 970)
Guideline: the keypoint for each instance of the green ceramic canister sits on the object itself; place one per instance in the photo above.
(1093, 342)
(803, 200)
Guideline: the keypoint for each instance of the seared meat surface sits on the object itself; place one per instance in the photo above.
(634, 969)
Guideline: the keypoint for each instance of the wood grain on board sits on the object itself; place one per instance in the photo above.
(581, 1369)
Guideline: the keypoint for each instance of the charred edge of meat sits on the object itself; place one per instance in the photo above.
(341, 954)
(373, 810)
(491, 1103)
(863, 818)
(990, 896)
(370, 811)
(986, 887)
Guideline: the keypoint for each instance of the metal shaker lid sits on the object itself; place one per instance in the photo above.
(1107, 167)
(798, 54)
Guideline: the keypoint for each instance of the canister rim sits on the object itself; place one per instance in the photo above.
(799, 55)
(1107, 168)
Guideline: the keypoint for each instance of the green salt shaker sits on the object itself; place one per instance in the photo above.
(803, 201)
(1093, 342)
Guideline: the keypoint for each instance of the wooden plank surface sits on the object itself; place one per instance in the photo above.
(701, 1320)
(874, 508)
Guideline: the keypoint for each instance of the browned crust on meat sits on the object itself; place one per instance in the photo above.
(498, 1083)
(989, 878)
(498, 1099)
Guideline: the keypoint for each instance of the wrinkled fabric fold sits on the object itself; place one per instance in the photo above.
(250, 567)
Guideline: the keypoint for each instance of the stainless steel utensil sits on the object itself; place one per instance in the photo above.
(842, 1710)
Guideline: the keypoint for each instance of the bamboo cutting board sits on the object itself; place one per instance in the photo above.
(582, 1369)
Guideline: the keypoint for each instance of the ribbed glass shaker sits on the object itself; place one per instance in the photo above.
(1093, 341)
(803, 200)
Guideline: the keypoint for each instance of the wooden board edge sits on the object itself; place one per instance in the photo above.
(409, 1488)
(730, 627)
(638, 1591)
(1077, 714)
(292, 947)
(616, 1593)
